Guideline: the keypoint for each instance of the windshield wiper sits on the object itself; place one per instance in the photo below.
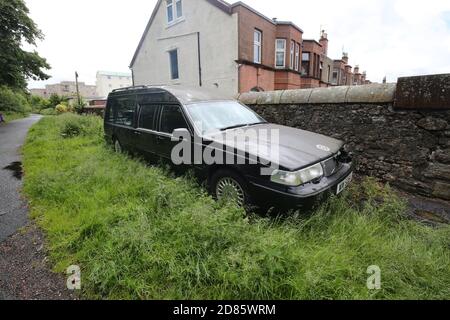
(242, 125)
(233, 127)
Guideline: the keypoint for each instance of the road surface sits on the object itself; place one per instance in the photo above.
(13, 210)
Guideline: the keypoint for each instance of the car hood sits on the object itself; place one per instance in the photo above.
(297, 148)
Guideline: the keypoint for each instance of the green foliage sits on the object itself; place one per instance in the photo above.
(38, 103)
(61, 108)
(16, 27)
(139, 233)
(56, 100)
(79, 105)
(73, 126)
(13, 101)
(48, 112)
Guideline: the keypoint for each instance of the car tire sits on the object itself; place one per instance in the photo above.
(227, 183)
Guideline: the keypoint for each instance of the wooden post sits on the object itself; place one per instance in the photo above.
(78, 90)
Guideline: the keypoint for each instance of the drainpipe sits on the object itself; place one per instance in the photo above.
(132, 77)
(199, 60)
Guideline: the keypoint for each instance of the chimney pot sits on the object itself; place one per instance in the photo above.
(324, 42)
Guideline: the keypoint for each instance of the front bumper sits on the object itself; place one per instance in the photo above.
(267, 193)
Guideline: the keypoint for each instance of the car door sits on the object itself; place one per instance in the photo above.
(145, 132)
(171, 118)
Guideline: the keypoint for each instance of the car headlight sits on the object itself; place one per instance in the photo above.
(299, 177)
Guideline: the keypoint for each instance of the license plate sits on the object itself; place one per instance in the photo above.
(343, 185)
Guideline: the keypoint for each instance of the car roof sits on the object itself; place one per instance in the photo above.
(184, 94)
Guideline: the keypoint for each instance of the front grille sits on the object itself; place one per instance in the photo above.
(330, 166)
(334, 164)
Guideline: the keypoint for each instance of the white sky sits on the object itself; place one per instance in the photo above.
(385, 37)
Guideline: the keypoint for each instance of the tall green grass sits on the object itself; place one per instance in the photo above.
(139, 233)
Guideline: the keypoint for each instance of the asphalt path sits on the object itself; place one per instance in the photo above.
(13, 209)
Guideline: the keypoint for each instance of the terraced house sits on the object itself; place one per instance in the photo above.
(228, 47)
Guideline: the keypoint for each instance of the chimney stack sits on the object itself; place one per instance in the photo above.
(345, 57)
(324, 42)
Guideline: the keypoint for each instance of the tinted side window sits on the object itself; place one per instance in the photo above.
(171, 119)
(125, 109)
(147, 116)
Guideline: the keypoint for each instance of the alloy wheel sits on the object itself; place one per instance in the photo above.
(230, 190)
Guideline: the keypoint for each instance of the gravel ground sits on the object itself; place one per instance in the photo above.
(25, 272)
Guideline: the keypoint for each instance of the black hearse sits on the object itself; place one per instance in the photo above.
(152, 121)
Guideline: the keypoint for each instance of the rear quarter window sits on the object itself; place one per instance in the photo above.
(121, 110)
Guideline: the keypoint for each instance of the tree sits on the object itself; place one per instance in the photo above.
(16, 27)
(56, 99)
(38, 103)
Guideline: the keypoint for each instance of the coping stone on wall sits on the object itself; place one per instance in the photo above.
(372, 93)
(296, 96)
(329, 95)
(249, 97)
(270, 97)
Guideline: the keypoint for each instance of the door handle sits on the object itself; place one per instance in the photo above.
(160, 138)
(137, 133)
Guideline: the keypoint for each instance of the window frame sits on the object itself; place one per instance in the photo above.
(258, 45)
(172, 7)
(178, 16)
(277, 50)
(308, 72)
(333, 79)
(171, 65)
(292, 55)
(297, 56)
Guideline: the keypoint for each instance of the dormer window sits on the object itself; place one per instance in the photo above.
(174, 10)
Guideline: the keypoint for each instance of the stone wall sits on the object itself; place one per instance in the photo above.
(410, 149)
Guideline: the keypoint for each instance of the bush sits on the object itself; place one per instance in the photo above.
(61, 108)
(13, 101)
(56, 100)
(73, 126)
(38, 103)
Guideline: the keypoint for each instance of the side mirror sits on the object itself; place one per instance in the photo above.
(180, 135)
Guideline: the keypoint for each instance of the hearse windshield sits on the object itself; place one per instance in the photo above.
(222, 115)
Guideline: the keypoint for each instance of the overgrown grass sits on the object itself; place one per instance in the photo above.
(138, 233)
